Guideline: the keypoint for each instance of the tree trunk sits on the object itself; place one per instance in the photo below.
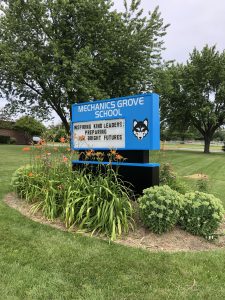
(66, 125)
(64, 121)
(207, 144)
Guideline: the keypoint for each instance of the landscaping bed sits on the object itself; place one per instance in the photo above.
(172, 241)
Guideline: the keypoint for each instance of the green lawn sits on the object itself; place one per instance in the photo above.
(187, 163)
(39, 262)
(191, 146)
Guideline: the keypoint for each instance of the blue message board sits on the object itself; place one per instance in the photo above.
(126, 123)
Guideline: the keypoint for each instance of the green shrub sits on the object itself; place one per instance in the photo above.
(202, 185)
(160, 208)
(98, 203)
(202, 214)
(12, 141)
(21, 180)
(4, 139)
(168, 177)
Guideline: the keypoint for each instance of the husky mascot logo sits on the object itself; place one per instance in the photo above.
(140, 128)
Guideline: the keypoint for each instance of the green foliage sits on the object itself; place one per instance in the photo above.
(55, 132)
(6, 124)
(29, 125)
(219, 135)
(201, 214)
(12, 141)
(22, 183)
(94, 201)
(56, 53)
(160, 208)
(4, 139)
(202, 185)
(98, 203)
(195, 92)
(72, 266)
(168, 177)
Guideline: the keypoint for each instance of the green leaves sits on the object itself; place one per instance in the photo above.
(100, 204)
(94, 201)
(160, 208)
(29, 125)
(56, 53)
(198, 88)
(202, 214)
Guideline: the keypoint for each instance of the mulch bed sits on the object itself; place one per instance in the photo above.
(173, 241)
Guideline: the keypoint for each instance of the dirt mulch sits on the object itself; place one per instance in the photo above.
(174, 241)
(197, 176)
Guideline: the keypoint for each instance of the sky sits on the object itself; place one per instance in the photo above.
(193, 23)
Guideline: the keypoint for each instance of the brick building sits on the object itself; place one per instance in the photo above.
(9, 135)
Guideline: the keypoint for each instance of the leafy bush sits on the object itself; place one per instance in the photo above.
(160, 208)
(28, 183)
(202, 214)
(202, 185)
(4, 139)
(20, 180)
(97, 202)
(169, 177)
(12, 141)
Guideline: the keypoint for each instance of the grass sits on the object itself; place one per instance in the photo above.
(190, 146)
(187, 163)
(39, 262)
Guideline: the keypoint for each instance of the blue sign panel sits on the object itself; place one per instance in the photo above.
(126, 123)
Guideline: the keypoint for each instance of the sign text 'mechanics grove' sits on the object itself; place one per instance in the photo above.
(110, 108)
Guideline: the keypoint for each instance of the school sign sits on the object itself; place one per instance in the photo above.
(126, 123)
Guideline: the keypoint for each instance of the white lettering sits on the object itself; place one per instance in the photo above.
(80, 108)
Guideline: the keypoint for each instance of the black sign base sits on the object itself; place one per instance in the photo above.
(136, 177)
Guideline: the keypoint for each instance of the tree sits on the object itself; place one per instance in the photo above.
(29, 125)
(194, 94)
(56, 53)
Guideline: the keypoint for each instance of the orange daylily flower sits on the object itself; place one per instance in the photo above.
(65, 159)
(41, 142)
(68, 149)
(90, 152)
(113, 152)
(81, 138)
(26, 149)
(118, 157)
(30, 174)
(62, 140)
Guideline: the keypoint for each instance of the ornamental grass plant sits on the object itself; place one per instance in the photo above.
(94, 201)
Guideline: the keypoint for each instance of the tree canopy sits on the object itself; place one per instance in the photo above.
(29, 125)
(54, 53)
(194, 93)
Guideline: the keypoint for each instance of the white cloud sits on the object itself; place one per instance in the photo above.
(194, 23)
